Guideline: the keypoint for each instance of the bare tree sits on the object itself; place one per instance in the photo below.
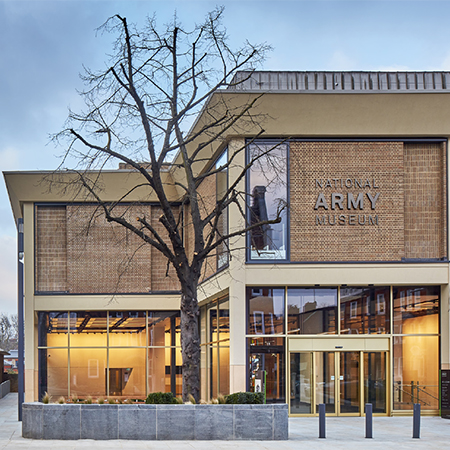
(8, 331)
(137, 112)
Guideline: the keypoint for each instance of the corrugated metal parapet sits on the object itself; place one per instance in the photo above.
(268, 81)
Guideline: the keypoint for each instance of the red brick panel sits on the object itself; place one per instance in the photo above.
(350, 234)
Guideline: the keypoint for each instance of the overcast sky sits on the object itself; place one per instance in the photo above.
(44, 45)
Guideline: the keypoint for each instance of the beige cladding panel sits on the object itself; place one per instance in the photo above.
(342, 344)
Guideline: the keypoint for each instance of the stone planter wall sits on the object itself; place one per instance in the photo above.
(155, 422)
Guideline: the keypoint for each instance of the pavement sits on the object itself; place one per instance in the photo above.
(341, 433)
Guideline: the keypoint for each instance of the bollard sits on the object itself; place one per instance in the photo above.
(369, 422)
(416, 421)
(322, 420)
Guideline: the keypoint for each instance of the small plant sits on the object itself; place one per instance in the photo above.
(100, 400)
(46, 398)
(74, 398)
(162, 398)
(61, 400)
(88, 400)
(214, 401)
(191, 399)
(245, 398)
(221, 400)
(111, 401)
(119, 400)
(178, 400)
(127, 401)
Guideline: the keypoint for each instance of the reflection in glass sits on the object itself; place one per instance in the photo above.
(349, 380)
(325, 381)
(375, 380)
(268, 196)
(268, 354)
(312, 310)
(416, 310)
(266, 311)
(365, 310)
(416, 372)
(301, 383)
(222, 225)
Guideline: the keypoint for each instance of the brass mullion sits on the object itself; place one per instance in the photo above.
(361, 382)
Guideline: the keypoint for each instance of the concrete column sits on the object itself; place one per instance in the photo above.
(30, 335)
(238, 361)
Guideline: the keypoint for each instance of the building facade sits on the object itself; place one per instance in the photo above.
(345, 301)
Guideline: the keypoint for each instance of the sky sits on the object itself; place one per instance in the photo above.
(45, 44)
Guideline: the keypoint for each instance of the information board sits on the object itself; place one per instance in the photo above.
(445, 394)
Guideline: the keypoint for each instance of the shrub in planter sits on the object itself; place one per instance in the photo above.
(245, 398)
(161, 398)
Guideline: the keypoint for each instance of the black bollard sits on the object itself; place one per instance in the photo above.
(322, 420)
(416, 421)
(369, 422)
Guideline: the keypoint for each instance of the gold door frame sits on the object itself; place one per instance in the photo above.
(374, 345)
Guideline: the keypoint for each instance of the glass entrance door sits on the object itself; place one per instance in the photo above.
(349, 382)
(343, 381)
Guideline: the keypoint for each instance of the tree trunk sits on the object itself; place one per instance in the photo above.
(190, 343)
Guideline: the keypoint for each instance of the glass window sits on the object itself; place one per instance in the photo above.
(416, 310)
(53, 372)
(88, 372)
(163, 326)
(88, 329)
(222, 226)
(267, 354)
(127, 372)
(53, 329)
(365, 310)
(267, 200)
(265, 310)
(416, 374)
(215, 349)
(127, 328)
(312, 310)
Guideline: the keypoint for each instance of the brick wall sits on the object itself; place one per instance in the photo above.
(162, 280)
(78, 251)
(51, 249)
(425, 201)
(106, 257)
(409, 216)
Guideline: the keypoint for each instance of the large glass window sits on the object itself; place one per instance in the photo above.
(215, 348)
(416, 310)
(267, 356)
(222, 226)
(265, 310)
(365, 310)
(312, 310)
(267, 199)
(416, 347)
(124, 354)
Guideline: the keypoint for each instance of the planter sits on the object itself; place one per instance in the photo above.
(155, 422)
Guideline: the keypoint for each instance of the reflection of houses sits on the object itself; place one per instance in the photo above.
(11, 360)
(343, 301)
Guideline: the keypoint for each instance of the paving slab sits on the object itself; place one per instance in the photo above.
(346, 433)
